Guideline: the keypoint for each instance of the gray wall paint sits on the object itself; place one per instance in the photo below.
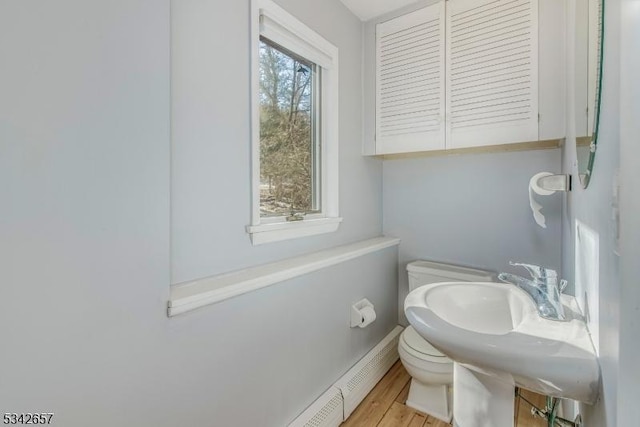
(617, 296)
(211, 139)
(592, 207)
(629, 382)
(470, 209)
(259, 360)
(84, 219)
(85, 224)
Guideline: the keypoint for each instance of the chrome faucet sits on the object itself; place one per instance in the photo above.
(543, 289)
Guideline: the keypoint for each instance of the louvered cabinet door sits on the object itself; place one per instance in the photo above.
(492, 72)
(410, 80)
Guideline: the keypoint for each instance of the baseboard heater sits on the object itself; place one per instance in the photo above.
(339, 401)
(326, 411)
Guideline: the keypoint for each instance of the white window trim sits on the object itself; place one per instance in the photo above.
(273, 22)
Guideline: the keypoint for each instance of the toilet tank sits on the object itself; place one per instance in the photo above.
(425, 272)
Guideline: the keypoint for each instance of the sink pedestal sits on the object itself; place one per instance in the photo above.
(482, 400)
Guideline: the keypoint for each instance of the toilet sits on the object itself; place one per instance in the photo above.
(431, 371)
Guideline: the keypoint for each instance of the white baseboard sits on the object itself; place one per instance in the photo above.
(360, 380)
(337, 403)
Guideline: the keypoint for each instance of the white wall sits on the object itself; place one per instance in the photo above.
(85, 226)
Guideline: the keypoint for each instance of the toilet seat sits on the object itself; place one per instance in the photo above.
(420, 348)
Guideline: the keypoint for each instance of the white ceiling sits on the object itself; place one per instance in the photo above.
(368, 9)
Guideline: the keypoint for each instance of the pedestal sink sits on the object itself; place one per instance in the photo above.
(497, 341)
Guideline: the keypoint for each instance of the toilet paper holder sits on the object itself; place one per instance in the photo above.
(558, 182)
(358, 313)
(545, 184)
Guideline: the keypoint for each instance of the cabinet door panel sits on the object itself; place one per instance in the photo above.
(410, 95)
(492, 72)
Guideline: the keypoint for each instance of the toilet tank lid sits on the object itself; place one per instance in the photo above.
(449, 270)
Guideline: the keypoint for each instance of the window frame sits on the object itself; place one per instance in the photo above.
(272, 22)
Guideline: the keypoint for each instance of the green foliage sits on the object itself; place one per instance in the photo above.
(286, 132)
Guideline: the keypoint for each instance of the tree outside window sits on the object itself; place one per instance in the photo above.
(289, 148)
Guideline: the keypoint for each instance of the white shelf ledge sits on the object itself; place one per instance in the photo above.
(188, 296)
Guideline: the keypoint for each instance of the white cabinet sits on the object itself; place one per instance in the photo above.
(466, 73)
(492, 72)
(410, 77)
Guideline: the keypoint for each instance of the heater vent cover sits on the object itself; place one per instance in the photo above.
(361, 379)
(326, 411)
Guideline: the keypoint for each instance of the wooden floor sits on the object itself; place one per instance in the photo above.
(385, 406)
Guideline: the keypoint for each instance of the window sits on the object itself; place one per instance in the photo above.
(294, 128)
(289, 137)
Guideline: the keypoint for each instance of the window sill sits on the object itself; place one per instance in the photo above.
(266, 233)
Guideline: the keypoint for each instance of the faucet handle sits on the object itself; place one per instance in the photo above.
(563, 285)
(536, 271)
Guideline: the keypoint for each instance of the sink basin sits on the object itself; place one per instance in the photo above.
(494, 328)
(482, 308)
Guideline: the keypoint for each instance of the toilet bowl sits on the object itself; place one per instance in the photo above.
(431, 371)
(431, 375)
